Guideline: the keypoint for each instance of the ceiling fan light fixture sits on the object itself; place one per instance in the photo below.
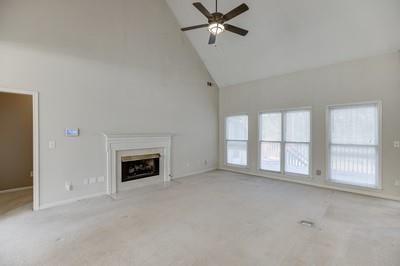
(216, 28)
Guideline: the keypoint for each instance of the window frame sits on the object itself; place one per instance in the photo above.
(283, 142)
(329, 179)
(227, 140)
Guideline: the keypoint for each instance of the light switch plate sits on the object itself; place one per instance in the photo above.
(52, 144)
(396, 144)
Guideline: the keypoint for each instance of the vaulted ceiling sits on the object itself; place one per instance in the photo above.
(287, 36)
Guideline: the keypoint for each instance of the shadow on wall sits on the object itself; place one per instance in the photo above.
(16, 141)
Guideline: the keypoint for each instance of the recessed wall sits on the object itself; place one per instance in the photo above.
(16, 141)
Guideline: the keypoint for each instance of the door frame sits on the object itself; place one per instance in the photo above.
(35, 114)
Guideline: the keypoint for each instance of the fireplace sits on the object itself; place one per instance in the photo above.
(139, 166)
(119, 145)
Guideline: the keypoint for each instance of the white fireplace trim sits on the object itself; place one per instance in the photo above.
(123, 142)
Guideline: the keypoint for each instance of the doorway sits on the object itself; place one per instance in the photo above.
(19, 160)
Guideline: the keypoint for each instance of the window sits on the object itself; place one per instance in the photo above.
(354, 149)
(285, 141)
(236, 129)
(271, 141)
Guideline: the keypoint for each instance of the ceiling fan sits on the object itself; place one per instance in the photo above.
(216, 21)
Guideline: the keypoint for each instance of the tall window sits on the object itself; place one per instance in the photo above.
(354, 144)
(285, 141)
(236, 130)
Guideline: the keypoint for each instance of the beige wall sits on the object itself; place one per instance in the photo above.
(16, 144)
(101, 66)
(371, 79)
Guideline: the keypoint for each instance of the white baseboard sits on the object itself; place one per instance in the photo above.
(68, 201)
(15, 189)
(349, 190)
(195, 173)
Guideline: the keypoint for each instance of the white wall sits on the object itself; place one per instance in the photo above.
(375, 78)
(101, 65)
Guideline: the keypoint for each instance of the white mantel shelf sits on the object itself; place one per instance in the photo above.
(127, 141)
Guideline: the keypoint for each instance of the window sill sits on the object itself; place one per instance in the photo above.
(237, 166)
(353, 186)
(284, 175)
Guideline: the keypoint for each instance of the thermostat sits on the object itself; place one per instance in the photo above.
(71, 132)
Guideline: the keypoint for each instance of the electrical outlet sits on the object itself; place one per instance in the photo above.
(205, 162)
(100, 179)
(318, 172)
(92, 180)
(85, 181)
(68, 186)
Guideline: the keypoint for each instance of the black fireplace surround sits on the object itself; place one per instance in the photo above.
(138, 167)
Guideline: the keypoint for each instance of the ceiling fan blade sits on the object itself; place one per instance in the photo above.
(212, 39)
(194, 27)
(235, 12)
(235, 29)
(202, 9)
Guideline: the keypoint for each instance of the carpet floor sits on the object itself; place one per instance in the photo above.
(216, 218)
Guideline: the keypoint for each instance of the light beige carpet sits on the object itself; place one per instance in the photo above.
(218, 218)
(13, 201)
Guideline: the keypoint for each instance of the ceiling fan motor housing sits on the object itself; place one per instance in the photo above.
(216, 18)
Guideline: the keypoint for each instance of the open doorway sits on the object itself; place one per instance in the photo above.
(18, 150)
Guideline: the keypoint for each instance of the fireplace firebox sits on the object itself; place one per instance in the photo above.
(140, 166)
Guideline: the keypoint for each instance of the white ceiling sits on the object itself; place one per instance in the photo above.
(291, 35)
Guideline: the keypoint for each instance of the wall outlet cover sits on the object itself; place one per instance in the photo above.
(100, 179)
(92, 180)
(68, 186)
(85, 181)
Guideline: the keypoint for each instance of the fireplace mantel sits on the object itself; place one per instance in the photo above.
(125, 141)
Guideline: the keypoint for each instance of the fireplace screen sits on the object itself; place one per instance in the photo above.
(137, 167)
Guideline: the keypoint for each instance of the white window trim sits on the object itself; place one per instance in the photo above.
(283, 173)
(328, 145)
(226, 141)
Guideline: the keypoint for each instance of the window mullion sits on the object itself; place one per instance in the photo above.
(283, 142)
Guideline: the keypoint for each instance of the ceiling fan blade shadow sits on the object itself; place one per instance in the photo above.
(235, 29)
(212, 39)
(235, 12)
(194, 27)
(202, 9)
